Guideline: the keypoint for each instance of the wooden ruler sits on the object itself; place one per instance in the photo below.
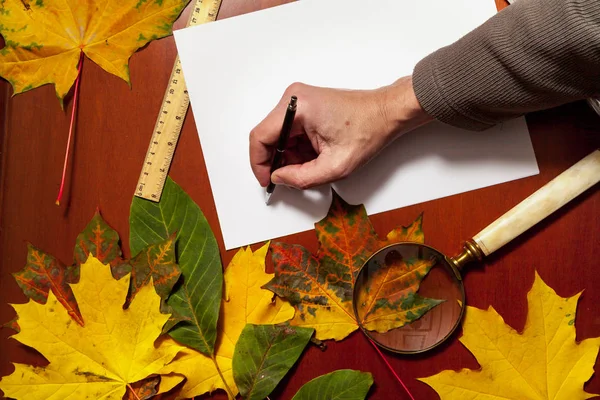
(171, 116)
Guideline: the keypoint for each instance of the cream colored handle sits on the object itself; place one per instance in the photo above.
(549, 198)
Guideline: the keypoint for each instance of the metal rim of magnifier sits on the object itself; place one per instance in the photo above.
(457, 277)
(595, 104)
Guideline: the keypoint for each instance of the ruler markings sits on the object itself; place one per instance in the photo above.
(169, 122)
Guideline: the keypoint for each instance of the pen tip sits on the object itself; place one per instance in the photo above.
(268, 198)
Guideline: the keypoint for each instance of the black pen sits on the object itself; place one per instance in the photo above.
(282, 143)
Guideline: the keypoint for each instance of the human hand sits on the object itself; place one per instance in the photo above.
(335, 131)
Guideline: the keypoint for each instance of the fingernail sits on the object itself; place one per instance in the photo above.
(276, 180)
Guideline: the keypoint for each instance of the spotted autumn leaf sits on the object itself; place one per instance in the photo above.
(143, 390)
(45, 39)
(392, 290)
(321, 286)
(44, 273)
(99, 239)
(157, 262)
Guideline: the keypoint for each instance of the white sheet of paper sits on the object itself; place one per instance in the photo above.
(236, 70)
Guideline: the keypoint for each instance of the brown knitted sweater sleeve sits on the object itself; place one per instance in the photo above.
(533, 55)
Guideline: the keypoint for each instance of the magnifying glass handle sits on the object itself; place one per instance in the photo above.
(552, 196)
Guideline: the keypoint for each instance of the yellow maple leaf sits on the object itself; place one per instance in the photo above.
(114, 348)
(544, 362)
(45, 38)
(244, 302)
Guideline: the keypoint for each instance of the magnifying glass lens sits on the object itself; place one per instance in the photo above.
(389, 297)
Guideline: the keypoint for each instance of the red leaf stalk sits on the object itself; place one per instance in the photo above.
(390, 367)
(73, 112)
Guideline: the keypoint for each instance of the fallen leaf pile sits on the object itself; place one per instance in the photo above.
(236, 337)
(44, 38)
(113, 349)
(321, 286)
(544, 362)
(101, 322)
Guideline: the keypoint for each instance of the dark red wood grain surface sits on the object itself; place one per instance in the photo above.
(114, 126)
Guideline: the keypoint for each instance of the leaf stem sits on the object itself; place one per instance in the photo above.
(390, 367)
(133, 391)
(227, 388)
(72, 124)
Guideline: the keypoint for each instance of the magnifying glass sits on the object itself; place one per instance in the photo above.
(444, 281)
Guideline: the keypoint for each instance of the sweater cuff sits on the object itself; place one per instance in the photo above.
(433, 99)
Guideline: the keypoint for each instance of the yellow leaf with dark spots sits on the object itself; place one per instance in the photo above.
(45, 38)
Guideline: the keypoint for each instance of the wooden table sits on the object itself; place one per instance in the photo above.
(113, 130)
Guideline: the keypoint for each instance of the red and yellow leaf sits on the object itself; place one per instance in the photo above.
(142, 390)
(321, 286)
(156, 262)
(12, 324)
(391, 294)
(43, 273)
(99, 239)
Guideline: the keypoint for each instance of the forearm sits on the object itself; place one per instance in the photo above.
(533, 55)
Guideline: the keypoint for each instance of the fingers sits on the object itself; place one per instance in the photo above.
(263, 139)
(310, 174)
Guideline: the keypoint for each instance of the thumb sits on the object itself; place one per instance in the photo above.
(304, 176)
